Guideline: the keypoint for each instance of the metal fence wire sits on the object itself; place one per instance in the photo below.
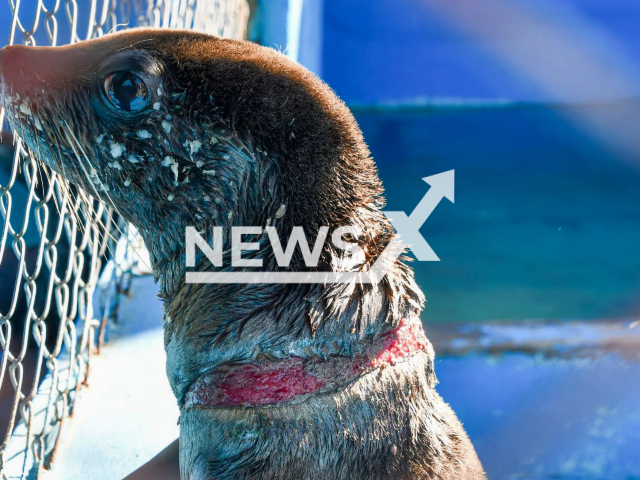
(59, 247)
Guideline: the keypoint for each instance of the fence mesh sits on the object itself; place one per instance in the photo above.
(59, 247)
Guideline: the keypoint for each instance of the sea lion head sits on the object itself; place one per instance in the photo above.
(177, 129)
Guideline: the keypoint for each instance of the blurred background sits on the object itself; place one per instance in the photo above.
(535, 104)
(534, 307)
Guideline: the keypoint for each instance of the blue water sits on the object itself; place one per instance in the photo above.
(546, 222)
(537, 419)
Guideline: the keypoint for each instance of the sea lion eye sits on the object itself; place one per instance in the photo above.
(126, 91)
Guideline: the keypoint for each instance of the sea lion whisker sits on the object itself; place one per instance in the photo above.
(126, 237)
(63, 184)
(127, 47)
(73, 147)
(36, 159)
(40, 166)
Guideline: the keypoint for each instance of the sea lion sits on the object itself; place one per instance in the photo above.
(274, 381)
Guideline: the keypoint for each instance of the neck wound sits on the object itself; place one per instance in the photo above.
(294, 378)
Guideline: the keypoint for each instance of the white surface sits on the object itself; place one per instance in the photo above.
(128, 413)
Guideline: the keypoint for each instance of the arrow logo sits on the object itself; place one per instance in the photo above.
(442, 186)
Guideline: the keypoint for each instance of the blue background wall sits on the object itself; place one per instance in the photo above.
(529, 101)
(402, 51)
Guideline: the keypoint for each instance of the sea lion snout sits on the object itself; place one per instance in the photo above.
(13, 60)
(17, 70)
(25, 68)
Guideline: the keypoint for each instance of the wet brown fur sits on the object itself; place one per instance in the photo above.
(282, 137)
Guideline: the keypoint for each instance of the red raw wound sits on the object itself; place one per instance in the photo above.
(270, 384)
(280, 381)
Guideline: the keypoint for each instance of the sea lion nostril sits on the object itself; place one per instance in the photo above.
(8, 57)
(24, 68)
(14, 64)
(3, 70)
(3, 53)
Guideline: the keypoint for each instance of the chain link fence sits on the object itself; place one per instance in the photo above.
(60, 249)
